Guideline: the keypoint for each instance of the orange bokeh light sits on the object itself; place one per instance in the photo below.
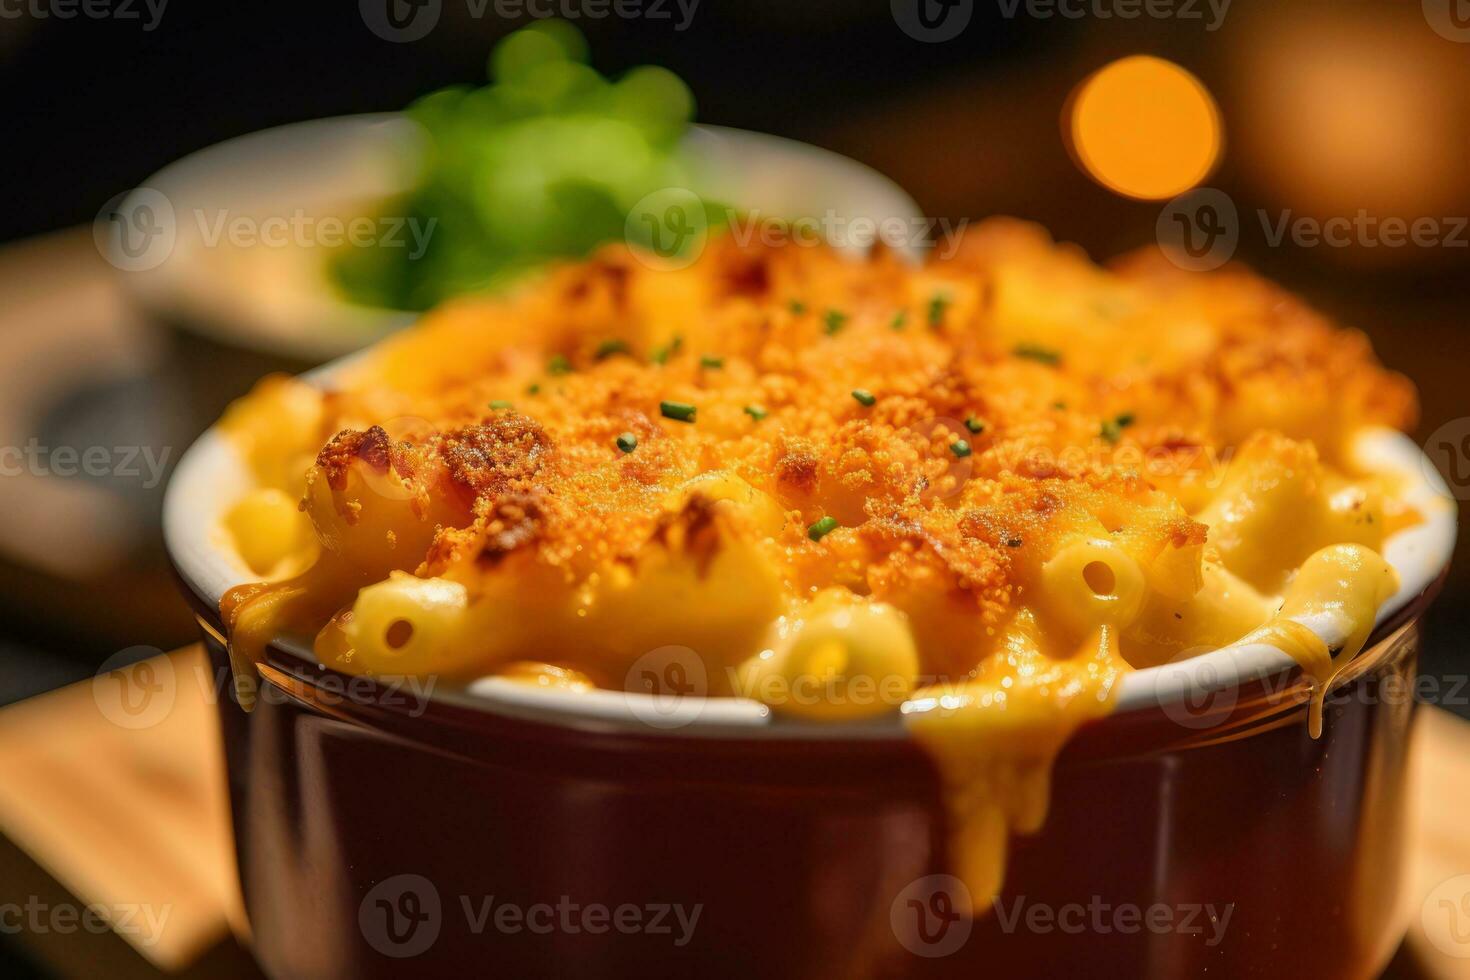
(1144, 127)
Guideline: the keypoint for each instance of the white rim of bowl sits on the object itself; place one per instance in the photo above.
(212, 475)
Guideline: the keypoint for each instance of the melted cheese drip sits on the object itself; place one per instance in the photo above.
(1338, 590)
(995, 739)
(257, 613)
(248, 635)
(1310, 652)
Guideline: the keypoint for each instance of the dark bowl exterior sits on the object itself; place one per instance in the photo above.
(380, 835)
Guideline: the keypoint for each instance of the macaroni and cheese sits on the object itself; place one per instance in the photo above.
(978, 491)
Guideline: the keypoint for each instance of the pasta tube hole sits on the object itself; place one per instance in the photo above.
(398, 634)
(1100, 578)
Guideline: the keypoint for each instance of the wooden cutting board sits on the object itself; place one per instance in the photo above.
(129, 811)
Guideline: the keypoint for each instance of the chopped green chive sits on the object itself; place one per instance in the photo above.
(974, 425)
(500, 403)
(1059, 406)
(558, 365)
(797, 306)
(937, 306)
(663, 352)
(1112, 429)
(899, 321)
(678, 411)
(822, 528)
(711, 362)
(1035, 352)
(756, 412)
(608, 348)
(864, 396)
(835, 320)
(960, 448)
(627, 442)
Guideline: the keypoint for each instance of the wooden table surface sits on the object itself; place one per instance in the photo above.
(102, 804)
(135, 819)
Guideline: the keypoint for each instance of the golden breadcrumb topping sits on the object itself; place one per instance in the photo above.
(926, 433)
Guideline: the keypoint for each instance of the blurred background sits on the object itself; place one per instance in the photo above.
(1298, 111)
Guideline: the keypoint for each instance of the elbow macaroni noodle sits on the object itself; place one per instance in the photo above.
(1055, 474)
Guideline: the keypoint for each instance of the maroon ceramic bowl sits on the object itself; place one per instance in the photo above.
(1197, 830)
(379, 832)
